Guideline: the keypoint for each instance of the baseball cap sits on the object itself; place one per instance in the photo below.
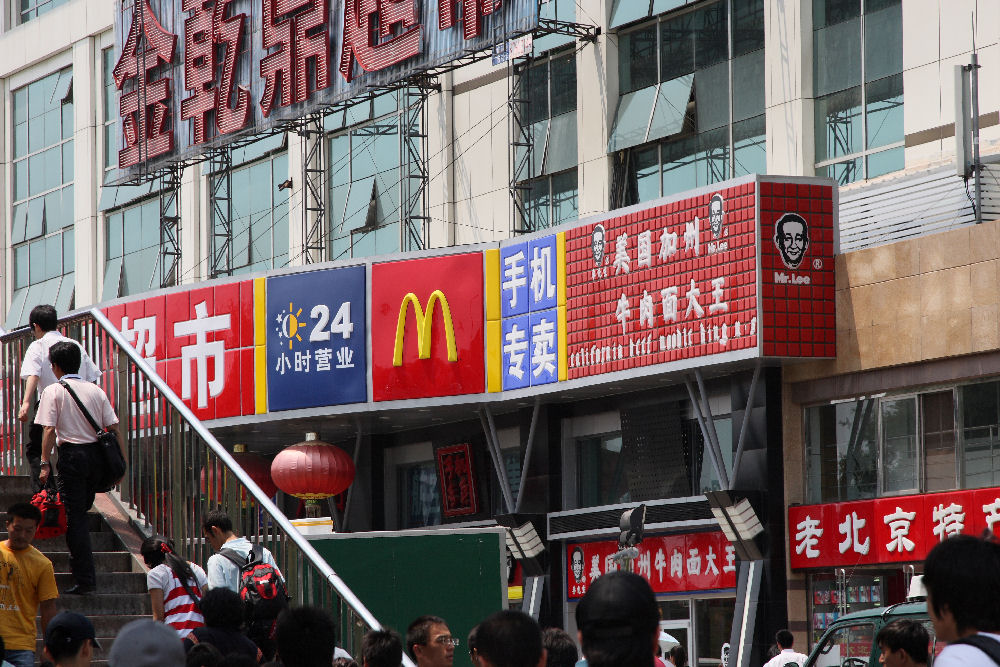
(68, 627)
(618, 604)
(147, 643)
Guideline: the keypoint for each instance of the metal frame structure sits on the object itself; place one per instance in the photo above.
(221, 207)
(315, 235)
(414, 152)
(170, 225)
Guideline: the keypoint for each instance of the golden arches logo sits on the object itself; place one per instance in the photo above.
(425, 323)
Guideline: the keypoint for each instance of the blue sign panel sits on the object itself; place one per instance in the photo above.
(516, 352)
(514, 279)
(316, 339)
(543, 271)
(544, 347)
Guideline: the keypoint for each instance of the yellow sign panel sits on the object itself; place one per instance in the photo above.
(425, 323)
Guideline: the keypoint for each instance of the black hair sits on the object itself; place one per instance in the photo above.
(237, 660)
(382, 648)
(510, 639)
(779, 227)
(24, 511)
(784, 638)
(561, 648)
(157, 550)
(419, 631)
(908, 635)
(44, 316)
(626, 639)
(222, 608)
(962, 575)
(678, 655)
(203, 655)
(218, 519)
(61, 645)
(305, 637)
(66, 355)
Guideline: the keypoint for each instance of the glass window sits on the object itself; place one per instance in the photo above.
(899, 443)
(938, 427)
(847, 646)
(841, 451)
(709, 476)
(714, 620)
(603, 478)
(31, 9)
(419, 496)
(550, 200)
(637, 59)
(980, 434)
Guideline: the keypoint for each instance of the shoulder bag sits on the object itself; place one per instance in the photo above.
(107, 441)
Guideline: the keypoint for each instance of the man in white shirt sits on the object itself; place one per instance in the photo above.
(787, 656)
(81, 461)
(36, 371)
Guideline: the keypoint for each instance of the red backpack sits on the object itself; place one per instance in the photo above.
(53, 523)
(261, 587)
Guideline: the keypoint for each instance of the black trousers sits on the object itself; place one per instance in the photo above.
(33, 449)
(79, 468)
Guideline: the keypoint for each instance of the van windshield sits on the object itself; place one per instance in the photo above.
(846, 646)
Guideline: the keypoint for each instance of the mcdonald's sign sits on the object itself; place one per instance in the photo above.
(438, 350)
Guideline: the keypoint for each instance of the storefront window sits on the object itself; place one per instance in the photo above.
(938, 421)
(981, 435)
(899, 442)
(603, 478)
(841, 451)
(714, 621)
(849, 646)
(420, 496)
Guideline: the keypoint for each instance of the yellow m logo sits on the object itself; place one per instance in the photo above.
(425, 322)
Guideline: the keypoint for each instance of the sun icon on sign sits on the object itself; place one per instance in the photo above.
(288, 324)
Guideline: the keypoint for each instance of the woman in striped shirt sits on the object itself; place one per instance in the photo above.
(175, 586)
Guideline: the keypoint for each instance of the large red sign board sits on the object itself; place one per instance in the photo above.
(201, 343)
(427, 327)
(745, 268)
(671, 563)
(886, 530)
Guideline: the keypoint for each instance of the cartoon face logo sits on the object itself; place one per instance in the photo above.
(577, 564)
(791, 238)
(716, 215)
(597, 244)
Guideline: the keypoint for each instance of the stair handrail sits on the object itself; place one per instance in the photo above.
(276, 515)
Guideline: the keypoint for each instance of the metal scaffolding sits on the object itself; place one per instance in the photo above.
(315, 232)
(170, 247)
(414, 163)
(221, 206)
(521, 148)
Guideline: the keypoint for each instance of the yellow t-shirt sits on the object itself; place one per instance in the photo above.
(26, 579)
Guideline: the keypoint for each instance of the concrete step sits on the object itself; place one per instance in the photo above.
(104, 561)
(95, 523)
(110, 582)
(17, 485)
(107, 604)
(103, 541)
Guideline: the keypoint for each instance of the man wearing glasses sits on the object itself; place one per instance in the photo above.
(430, 642)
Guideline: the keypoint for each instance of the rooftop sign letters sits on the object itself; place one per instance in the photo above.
(196, 74)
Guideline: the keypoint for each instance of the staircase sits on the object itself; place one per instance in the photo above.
(121, 584)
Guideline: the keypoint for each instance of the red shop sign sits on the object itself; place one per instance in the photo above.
(885, 530)
(671, 563)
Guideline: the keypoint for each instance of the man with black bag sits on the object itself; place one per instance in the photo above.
(71, 411)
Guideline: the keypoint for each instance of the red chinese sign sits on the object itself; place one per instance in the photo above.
(458, 482)
(201, 342)
(296, 30)
(683, 280)
(671, 564)
(886, 530)
(427, 327)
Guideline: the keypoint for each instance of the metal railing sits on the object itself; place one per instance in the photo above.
(178, 471)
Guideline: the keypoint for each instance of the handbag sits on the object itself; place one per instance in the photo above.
(107, 441)
(48, 502)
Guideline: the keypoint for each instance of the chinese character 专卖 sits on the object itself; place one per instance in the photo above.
(543, 356)
(515, 347)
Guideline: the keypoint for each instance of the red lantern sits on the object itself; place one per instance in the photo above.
(313, 469)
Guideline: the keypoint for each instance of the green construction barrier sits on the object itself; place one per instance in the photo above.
(458, 574)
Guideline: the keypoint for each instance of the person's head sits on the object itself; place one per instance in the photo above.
(158, 549)
(962, 578)
(784, 639)
(218, 528)
(618, 621)
(222, 608)
(203, 655)
(22, 522)
(430, 643)
(305, 637)
(560, 647)
(509, 639)
(70, 639)
(597, 244)
(146, 643)
(791, 236)
(715, 214)
(678, 656)
(577, 563)
(903, 643)
(66, 355)
(381, 648)
(42, 319)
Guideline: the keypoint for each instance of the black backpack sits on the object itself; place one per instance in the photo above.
(261, 587)
(987, 645)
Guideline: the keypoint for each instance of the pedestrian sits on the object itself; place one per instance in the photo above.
(430, 643)
(962, 578)
(36, 371)
(224, 569)
(175, 586)
(903, 643)
(787, 655)
(559, 647)
(203, 655)
(223, 614)
(27, 585)
(381, 648)
(146, 643)
(510, 639)
(81, 461)
(677, 656)
(305, 637)
(618, 621)
(3, 651)
(70, 640)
